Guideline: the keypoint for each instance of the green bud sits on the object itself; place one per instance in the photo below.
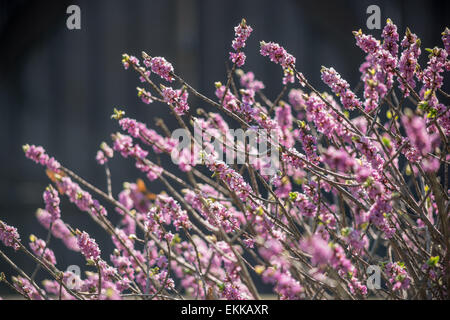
(433, 261)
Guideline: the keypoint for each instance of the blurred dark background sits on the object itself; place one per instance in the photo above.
(58, 87)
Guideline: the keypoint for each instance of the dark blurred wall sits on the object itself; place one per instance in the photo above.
(58, 86)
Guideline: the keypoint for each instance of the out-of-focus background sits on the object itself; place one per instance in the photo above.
(58, 87)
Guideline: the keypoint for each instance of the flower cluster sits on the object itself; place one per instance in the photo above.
(446, 40)
(24, 287)
(280, 56)
(38, 155)
(232, 178)
(340, 188)
(379, 56)
(278, 272)
(51, 199)
(145, 96)
(178, 98)
(398, 277)
(161, 67)
(432, 75)
(104, 153)
(318, 248)
(88, 246)
(127, 60)
(277, 54)
(391, 37)
(147, 136)
(39, 248)
(58, 229)
(248, 81)
(242, 32)
(124, 145)
(340, 87)
(407, 64)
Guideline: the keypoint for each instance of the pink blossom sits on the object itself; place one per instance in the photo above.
(178, 98)
(248, 81)
(38, 246)
(238, 58)
(446, 40)
(391, 37)
(277, 54)
(101, 158)
(416, 131)
(408, 61)
(340, 87)
(38, 155)
(9, 236)
(398, 277)
(242, 32)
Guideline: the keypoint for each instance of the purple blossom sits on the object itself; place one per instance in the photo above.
(416, 131)
(148, 136)
(318, 248)
(377, 213)
(296, 99)
(38, 155)
(338, 159)
(145, 96)
(248, 81)
(238, 58)
(101, 158)
(38, 246)
(446, 40)
(398, 277)
(277, 54)
(381, 57)
(127, 60)
(431, 77)
(391, 37)
(178, 98)
(340, 87)
(408, 61)
(233, 179)
(341, 179)
(52, 201)
(59, 229)
(242, 32)
(9, 236)
(24, 286)
(161, 67)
